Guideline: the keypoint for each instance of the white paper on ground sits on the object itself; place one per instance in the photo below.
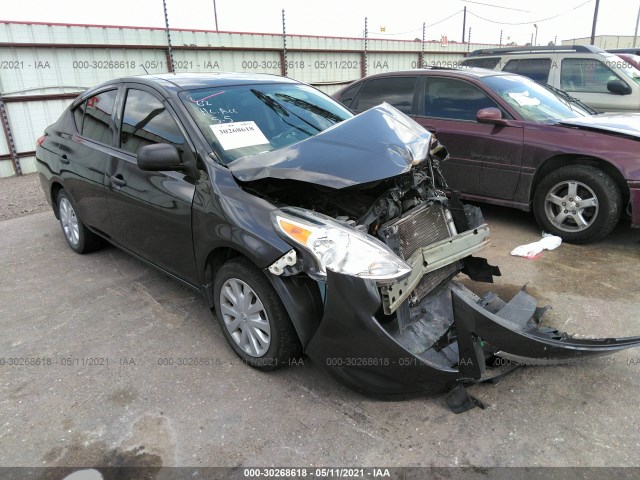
(530, 250)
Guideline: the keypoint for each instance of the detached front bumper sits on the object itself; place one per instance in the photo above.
(464, 340)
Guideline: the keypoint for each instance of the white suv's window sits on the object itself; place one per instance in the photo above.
(585, 75)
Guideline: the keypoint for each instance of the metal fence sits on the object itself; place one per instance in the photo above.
(44, 66)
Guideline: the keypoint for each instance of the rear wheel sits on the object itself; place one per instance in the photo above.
(77, 235)
(252, 316)
(579, 203)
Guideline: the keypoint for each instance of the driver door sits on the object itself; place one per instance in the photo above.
(151, 211)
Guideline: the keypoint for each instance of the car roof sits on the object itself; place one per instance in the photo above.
(176, 82)
(473, 72)
(537, 49)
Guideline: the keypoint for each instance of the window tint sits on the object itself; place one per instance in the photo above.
(146, 121)
(97, 118)
(585, 75)
(349, 94)
(489, 63)
(396, 91)
(537, 69)
(454, 99)
(78, 116)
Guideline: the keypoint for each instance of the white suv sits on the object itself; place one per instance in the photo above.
(600, 79)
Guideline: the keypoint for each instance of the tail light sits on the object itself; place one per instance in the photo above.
(41, 139)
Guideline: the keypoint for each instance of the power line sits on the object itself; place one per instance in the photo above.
(447, 18)
(426, 26)
(531, 21)
(496, 6)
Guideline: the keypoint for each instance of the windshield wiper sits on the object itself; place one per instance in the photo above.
(282, 111)
(298, 102)
(568, 98)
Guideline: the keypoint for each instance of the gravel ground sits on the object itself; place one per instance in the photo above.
(20, 196)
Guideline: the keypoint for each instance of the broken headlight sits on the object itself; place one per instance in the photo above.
(331, 245)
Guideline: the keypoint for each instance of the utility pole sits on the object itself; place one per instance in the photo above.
(595, 20)
(464, 23)
(635, 34)
(215, 14)
(535, 42)
(284, 46)
(170, 49)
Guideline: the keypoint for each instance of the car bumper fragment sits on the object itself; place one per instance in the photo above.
(480, 335)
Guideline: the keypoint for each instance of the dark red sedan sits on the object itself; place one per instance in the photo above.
(516, 143)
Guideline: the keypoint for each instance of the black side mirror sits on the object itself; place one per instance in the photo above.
(490, 115)
(618, 87)
(159, 157)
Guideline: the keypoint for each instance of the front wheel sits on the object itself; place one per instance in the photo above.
(578, 203)
(252, 316)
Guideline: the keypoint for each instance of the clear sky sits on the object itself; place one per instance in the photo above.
(401, 19)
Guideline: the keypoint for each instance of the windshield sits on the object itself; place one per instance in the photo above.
(252, 119)
(533, 102)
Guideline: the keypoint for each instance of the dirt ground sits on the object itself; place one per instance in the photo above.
(104, 393)
(21, 196)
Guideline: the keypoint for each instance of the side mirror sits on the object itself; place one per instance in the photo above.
(159, 157)
(490, 115)
(618, 87)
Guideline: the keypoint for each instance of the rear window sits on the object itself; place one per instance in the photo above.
(349, 94)
(489, 63)
(537, 69)
(93, 117)
(396, 91)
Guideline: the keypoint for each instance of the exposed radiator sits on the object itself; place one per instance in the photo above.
(418, 228)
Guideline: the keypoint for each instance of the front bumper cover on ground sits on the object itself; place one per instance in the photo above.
(370, 357)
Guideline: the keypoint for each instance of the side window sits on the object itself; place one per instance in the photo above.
(349, 94)
(585, 75)
(489, 63)
(454, 99)
(146, 121)
(96, 124)
(537, 69)
(396, 91)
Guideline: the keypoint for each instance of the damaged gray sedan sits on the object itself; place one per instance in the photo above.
(306, 229)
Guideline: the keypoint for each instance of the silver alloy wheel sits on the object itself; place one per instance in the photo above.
(571, 206)
(69, 222)
(245, 317)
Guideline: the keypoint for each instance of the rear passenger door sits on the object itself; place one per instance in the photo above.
(537, 69)
(151, 211)
(84, 155)
(485, 160)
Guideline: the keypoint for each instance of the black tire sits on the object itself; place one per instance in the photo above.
(588, 197)
(79, 238)
(283, 342)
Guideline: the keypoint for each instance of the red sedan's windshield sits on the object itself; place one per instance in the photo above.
(532, 101)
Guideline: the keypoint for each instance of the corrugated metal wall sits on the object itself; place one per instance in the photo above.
(43, 66)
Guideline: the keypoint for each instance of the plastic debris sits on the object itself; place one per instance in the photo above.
(532, 250)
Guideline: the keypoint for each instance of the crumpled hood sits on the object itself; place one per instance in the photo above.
(377, 144)
(625, 123)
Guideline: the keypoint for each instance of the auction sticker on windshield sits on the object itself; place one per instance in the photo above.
(238, 135)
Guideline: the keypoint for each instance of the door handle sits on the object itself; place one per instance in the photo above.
(118, 181)
(64, 159)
